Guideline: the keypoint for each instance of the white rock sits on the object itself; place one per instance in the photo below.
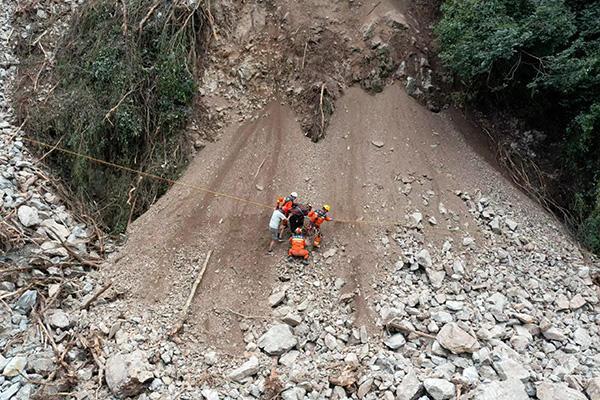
(410, 386)
(512, 225)
(424, 259)
(582, 337)
(15, 366)
(210, 394)
(453, 338)
(554, 334)
(510, 369)
(246, 370)
(58, 319)
(127, 373)
(396, 341)
(557, 391)
(28, 216)
(277, 298)
(439, 389)
(277, 340)
(577, 302)
(501, 390)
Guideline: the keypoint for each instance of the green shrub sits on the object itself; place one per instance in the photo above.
(124, 95)
(542, 58)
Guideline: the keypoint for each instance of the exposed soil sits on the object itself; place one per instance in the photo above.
(360, 180)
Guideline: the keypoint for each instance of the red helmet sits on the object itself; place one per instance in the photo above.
(298, 231)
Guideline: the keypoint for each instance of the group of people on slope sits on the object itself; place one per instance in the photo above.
(290, 213)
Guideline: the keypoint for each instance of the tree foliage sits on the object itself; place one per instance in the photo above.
(543, 57)
(124, 91)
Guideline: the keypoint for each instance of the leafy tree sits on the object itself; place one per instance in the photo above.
(544, 57)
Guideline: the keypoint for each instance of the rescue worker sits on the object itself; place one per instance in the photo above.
(276, 227)
(316, 219)
(298, 246)
(288, 203)
(296, 216)
(279, 203)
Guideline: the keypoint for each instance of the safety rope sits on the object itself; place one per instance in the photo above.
(173, 182)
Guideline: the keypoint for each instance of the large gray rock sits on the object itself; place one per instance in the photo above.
(453, 338)
(439, 389)
(277, 340)
(26, 302)
(512, 389)
(593, 389)
(410, 388)
(510, 369)
(424, 259)
(126, 374)
(557, 391)
(28, 216)
(246, 370)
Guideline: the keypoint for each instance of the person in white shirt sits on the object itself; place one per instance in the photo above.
(274, 227)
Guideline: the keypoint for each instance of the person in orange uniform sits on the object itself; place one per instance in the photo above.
(288, 203)
(298, 248)
(316, 219)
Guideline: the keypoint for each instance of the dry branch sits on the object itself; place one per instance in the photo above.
(321, 106)
(177, 327)
(103, 289)
(148, 15)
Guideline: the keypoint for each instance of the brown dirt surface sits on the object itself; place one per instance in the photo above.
(361, 181)
(384, 156)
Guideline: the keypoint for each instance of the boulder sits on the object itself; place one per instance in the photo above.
(126, 374)
(246, 370)
(512, 389)
(510, 369)
(28, 216)
(453, 338)
(424, 259)
(557, 391)
(410, 388)
(439, 389)
(277, 298)
(277, 340)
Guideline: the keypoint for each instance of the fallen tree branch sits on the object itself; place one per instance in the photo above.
(103, 289)
(322, 113)
(177, 327)
(246, 316)
(259, 167)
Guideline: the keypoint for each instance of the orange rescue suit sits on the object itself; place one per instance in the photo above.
(317, 218)
(298, 248)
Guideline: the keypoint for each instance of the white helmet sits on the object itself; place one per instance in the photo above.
(294, 195)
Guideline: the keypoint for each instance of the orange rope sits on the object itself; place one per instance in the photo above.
(173, 182)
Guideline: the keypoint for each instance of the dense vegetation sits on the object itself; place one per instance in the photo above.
(542, 58)
(125, 87)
